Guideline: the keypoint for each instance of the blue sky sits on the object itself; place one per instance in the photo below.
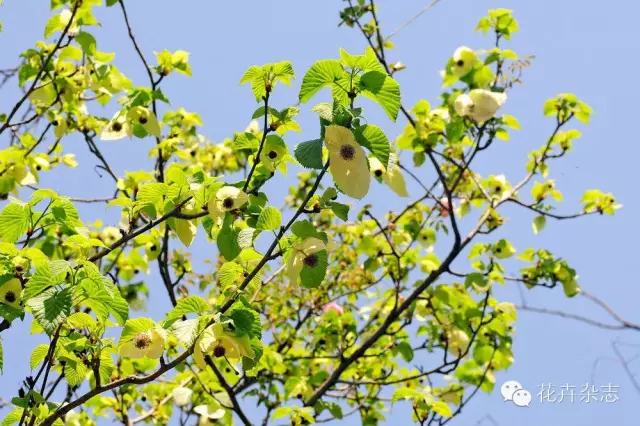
(580, 48)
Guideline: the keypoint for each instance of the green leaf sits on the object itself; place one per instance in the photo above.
(281, 412)
(228, 239)
(81, 321)
(502, 134)
(309, 154)
(270, 219)
(373, 138)
(87, 42)
(366, 62)
(539, 223)
(246, 141)
(442, 408)
(47, 275)
(70, 52)
(321, 74)
(51, 308)
(188, 305)
(101, 295)
(246, 322)
(53, 25)
(249, 364)
(14, 417)
(10, 313)
(405, 350)
(340, 210)
(152, 193)
(38, 355)
(186, 331)
(304, 229)
(106, 366)
(251, 74)
(14, 222)
(186, 230)
(477, 281)
(382, 89)
(510, 121)
(311, 277)
(245, 237)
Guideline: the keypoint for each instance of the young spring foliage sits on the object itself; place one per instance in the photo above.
(299, 298)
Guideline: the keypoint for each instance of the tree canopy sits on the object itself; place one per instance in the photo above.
(321, 306)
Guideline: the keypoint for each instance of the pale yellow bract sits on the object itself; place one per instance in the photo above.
(148, 344)
(300, 252)
(479, 104)
(348, 162)
(10, 293)
(227, 198)
(216, 336)
(463, 60)
(118, 128)
(391, 176)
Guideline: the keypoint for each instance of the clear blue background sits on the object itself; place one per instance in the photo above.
(583, 47)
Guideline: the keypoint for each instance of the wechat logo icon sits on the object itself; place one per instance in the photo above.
(514, 392)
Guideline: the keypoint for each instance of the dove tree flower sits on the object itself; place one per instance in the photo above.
(208, 413)
(463, 59)
(457, 342)
(391, 176)
(479, 104)
(146, 118)
(348, 161)
(217, 342)
(10, 293)
(303, 254)
(181, 395)
(296, 286)
(141, 338)
(273, 152)
(119, 127)
(224, 200)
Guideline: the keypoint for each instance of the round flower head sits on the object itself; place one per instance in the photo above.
(118, 128)
(146, 118)
(148, 344)
(427, 237)
(216, 342)
(10, 293)
(391, 176)
(273, 152)
(333, 306)
(348, 162)
(226, 199)
(463, 61)
(304, 253)
(480, 104)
